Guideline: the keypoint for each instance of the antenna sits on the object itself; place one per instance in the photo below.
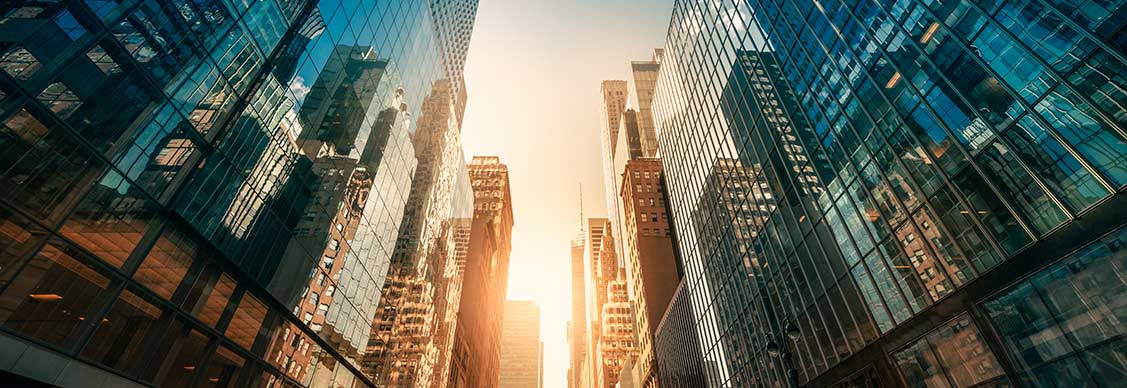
(581, 206)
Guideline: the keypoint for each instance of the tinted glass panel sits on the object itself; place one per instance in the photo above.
(54, 295)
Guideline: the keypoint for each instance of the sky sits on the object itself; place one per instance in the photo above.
(533, 75)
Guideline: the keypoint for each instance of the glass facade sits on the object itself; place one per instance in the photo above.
(845, 174)
(209, 192)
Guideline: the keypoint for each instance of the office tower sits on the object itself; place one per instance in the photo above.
(608, 343)
(675, 345)
(931, 196)
(653, 272)
(592, 253)
(403, 350)
(161, 222)
(477, 342)
(616, 338)
(521, 363)
(643, 81)
(577, 326)
(614, 96)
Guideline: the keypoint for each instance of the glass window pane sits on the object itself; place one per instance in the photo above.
(920, 367)
(211, 306)
(223, 369)
(19, 237)
(247, 321)
(41, 168)
(111, 219)
(177, 358)
(965, 357)
(53, 295)
(167, 262)
(1066, 324)
(120, 336)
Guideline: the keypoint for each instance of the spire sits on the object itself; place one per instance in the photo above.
(581, 228)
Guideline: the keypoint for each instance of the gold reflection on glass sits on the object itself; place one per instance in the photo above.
(930, 33)
(893, 81)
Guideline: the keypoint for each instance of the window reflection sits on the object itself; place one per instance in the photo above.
(53, 295)
(18, 238)
(178, 356)
(208, 295)
(111, 219)
(951, 356)
(247, 321)
(120, 338)
(223, 370)
(1067, 323)
(41, 168)
(167, 263)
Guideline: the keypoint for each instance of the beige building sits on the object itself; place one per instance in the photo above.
(521, 349)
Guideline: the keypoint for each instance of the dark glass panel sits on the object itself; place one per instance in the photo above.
(177, 357)
(42, 168)
(247, 322)
(223, 370)
(111, 219)
(1079, 125)
(54, 295)
(167, 262)
(99, 98)
(119, 340)
(19, 237)
(1058, 167)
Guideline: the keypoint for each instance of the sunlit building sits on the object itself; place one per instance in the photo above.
(577, 326)
(643, 81)
(407, 346)
(651, 261)
(521, 349)
(477, 342)
(209, 193)
(882, 195)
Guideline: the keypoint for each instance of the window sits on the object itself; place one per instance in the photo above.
(111, 219)
(19, 237)
(118, 341)
(952, 355)
(41, 167)
(247, 321)
(53, 294)
(1065, 325)
(164, 268)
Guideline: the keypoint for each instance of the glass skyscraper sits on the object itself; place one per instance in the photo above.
(209, 192)
(899, 192)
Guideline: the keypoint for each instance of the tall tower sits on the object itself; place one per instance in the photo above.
(928, 196)
(477, 344)
(210, 192)
(521, 362)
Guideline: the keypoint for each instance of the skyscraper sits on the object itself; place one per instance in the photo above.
(645, 262)
(408, 346)
(208, 192)
(477, 342)
(909, 194)
(521, 363)
(651, 262)
(643, 81)
(577, 326)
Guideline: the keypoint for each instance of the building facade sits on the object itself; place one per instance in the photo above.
(208, 192)
(651, 261)
(898, 193)
(477, 341)
(521, 349)
(577, 327)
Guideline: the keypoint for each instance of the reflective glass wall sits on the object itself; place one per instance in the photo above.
(208, 192)
(845, 174)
